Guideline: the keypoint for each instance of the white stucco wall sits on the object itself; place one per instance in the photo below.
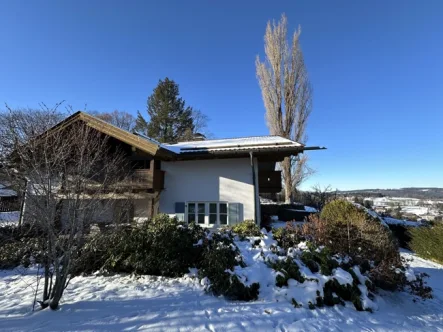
(227, 180)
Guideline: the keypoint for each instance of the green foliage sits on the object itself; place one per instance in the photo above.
(343, 212)
(20, 246)
(401, 233)
(419, 287)
(319, 260)
(170, 119)
(20, 252)
(288, 237)
(221, 255)
(427, 242)
(355, 233)
(344, 292)
(162, 246)
(141, 125)
(246, 228)
(288, 269)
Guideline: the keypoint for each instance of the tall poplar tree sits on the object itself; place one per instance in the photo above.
(287, 95)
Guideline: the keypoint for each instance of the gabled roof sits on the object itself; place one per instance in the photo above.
(234, 144)
(151, 147)
(230, 147)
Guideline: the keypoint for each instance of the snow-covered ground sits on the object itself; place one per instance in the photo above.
(122, 303)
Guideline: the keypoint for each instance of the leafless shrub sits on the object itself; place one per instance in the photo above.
(120, 119)
(70, 175)
(317, 197)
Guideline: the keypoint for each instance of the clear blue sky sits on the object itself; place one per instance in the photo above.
(376, 68)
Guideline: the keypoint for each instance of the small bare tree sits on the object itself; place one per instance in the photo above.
(71, 176)
(287, 96)
(200, 126)
(120, 119)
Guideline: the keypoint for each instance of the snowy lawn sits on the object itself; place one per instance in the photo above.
(118, 303)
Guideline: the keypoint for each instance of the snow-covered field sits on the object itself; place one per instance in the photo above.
(123, 303)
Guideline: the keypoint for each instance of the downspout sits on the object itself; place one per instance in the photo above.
(254, 184)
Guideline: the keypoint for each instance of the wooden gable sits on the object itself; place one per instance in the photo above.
(150, 147)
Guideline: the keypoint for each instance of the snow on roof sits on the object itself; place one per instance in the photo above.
(241, 143)
(7, 192)
(4, 191)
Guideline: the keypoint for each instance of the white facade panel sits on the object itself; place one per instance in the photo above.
(225, 180)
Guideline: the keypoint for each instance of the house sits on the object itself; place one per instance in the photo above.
(210, 182)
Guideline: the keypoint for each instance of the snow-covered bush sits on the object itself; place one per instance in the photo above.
(427, 242)
(345, 230)
(286, 269)
(319, 260)
(220, 256)
(246, 228)
(348, 230)
(289, 236)
(166, 247)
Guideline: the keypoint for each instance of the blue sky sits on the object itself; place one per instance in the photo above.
(376, 68)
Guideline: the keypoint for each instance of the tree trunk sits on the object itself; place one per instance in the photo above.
(60, 284)
(46, 288)
(287, 175)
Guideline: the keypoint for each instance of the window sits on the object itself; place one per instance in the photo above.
(201, 213)
(223, 213)
(191, 212)
(211, 213)
(196, 212)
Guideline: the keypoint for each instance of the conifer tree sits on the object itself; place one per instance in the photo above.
(170, 118)
(141, 125)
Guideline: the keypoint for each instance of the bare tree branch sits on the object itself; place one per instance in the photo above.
(71, 175)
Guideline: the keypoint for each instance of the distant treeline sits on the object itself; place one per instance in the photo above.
(419, 193)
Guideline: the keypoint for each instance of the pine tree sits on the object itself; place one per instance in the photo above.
(141, 125)
(170, 119)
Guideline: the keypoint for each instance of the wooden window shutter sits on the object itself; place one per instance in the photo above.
(180, 207)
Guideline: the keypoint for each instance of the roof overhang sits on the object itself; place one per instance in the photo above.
(271, 148)
(275, 153)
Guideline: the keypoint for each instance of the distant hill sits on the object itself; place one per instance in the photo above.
(420, 193)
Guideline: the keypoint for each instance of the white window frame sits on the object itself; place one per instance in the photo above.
(207, 212)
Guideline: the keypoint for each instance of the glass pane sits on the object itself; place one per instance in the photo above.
(223, 219)
(223, 208)
(201, 218)
(201, 207)
(212, 207)
(213, 218)
(191, 208)
(191, 217)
